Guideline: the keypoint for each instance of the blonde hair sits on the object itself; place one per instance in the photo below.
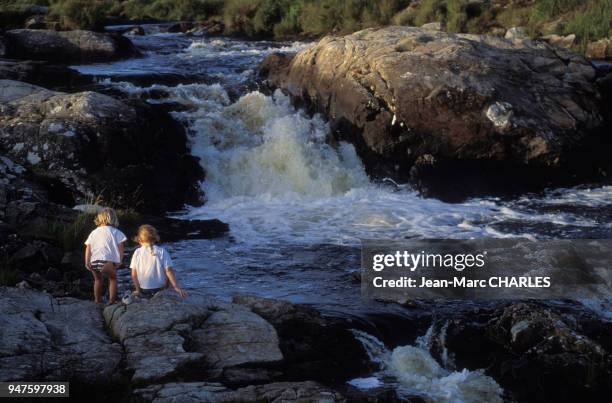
(147, 234)
(107, 216)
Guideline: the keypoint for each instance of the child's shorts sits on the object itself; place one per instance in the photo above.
(147, 294)
(97, 265)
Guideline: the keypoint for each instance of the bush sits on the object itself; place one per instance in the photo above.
(594, 22)
(13, 14)
(80, 14)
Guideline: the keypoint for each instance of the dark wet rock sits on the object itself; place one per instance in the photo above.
(533, 352)
(36, 22)
(208, 28)
(36, 256)
(455, 113)
(133, 155)
(42, 73)
(315, 347)
(68, 46)
(180, 27)
(2, 47)
(216, 392)
(63, 339)
(171, 230)
(137, 31)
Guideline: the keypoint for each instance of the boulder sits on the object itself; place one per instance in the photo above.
(35, 22)
(179, 27)
(567, 41)
(154, 335)
(94, 145)
(236, 337)
(42, 73)
(313, 346)
(432, 26)
(137, 31)
(516, 33)
(192, 336)
(2, 47)
(428, 105)
(214, 392)
(68, 46)
(63, 339)
(533, 352)
(601, 49)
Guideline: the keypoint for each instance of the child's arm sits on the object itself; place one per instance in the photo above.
(88, 257)
(172, 279)
(121, 252)
(135, 280)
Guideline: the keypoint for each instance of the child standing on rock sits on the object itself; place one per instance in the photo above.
(151, 265)
(104, 252)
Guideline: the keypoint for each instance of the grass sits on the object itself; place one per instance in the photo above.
(284, 19)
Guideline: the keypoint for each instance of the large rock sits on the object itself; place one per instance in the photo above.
(533, 352)
(236, 337)
(68, 46)
(601, 49)
(313, 346)
(165, 338)
(43, 338)
(413, 101)
(42, 73)
(131, 155)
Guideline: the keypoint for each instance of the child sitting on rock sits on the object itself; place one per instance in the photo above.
(104, 252)
(151, 265)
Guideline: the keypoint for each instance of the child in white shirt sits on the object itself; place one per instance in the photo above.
(104, 252)
(151, 265)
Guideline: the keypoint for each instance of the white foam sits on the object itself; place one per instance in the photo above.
(415, 372)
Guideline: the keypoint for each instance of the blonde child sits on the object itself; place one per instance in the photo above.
(151, 265)
(104, 252)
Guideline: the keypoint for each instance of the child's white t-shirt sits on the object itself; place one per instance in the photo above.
(104, 242)
(151, 267)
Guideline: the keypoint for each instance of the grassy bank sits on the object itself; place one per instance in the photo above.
(281, 19)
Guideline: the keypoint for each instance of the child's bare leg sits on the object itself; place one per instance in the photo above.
(109, 271)
(97, 286)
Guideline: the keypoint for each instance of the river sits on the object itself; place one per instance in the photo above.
(297, 207)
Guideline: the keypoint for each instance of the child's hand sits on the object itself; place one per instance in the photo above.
(181, 292)
(89, 267)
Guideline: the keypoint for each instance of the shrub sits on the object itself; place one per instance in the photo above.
(592, 23)
(75, 14)
(289, 24)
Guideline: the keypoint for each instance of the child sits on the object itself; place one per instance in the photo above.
(104, 252)
(151, 265)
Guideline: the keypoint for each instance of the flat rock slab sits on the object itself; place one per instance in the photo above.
(45, 338)
(165, 337)
(67, 46)
(214, 392)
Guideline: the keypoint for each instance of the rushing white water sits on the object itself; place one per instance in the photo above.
(413, 371)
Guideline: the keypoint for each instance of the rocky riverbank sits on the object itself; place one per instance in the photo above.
(62, 145)
(454, 113)
(258, 349)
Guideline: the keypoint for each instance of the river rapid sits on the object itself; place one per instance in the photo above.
(297, 206)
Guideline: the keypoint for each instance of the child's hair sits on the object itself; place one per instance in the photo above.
(147, 234)
(107, 216)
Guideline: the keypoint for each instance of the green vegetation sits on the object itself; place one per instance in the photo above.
(282, 19)
(73, 14)
(70, 236)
